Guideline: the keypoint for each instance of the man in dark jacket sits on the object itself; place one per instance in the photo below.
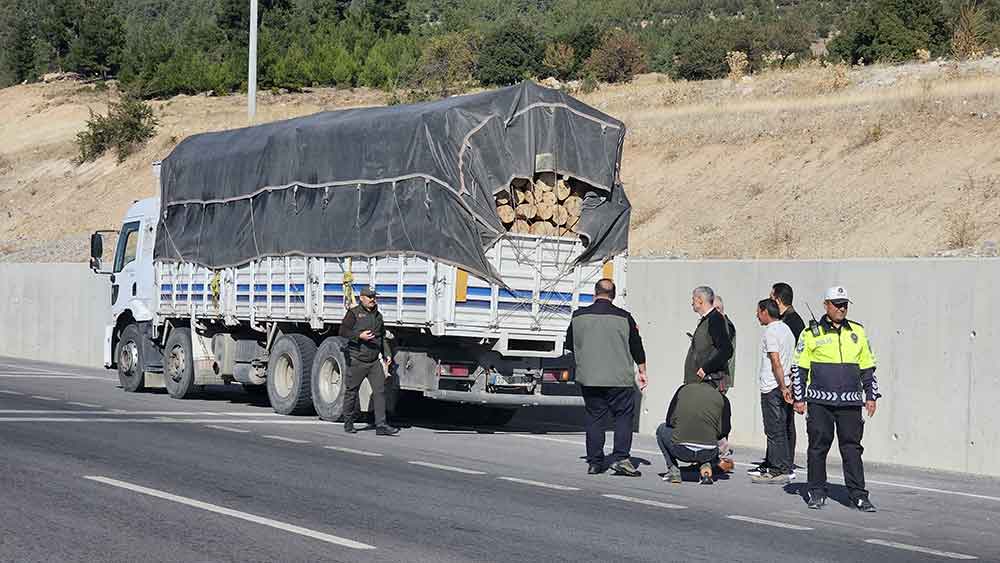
(698, 417)
(365, 332)
(711, 348)
(782, 294)
(606, 347)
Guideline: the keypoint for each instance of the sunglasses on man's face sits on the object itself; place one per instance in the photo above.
(842, 305)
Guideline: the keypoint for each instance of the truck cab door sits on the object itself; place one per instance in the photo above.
(124, 279)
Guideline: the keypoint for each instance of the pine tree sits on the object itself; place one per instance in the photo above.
(96, 49)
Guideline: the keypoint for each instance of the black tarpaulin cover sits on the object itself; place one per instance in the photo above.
(416, 179)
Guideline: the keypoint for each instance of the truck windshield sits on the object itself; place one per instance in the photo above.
(128, 246)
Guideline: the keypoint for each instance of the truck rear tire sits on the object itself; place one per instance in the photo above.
(178, 365)
(329, 379)
(289, 374)
(129, 359)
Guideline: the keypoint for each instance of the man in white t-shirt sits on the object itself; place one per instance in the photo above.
(774, 378)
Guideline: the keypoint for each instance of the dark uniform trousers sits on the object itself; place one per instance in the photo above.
(357, 372)
(821, 422)
(599, 404)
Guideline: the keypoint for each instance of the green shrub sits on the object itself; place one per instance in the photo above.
(892, 31)
(391, 60)
(697, 50)
(127, 126)
(618, 58)
(510, 53)
(559, 60)
(446, 62)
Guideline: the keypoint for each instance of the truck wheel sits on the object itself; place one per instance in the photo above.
(289, 372)
(178, 365)
(329, 379)
(129, 358)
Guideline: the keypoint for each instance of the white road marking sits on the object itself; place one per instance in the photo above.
(87, 405)
(159, 421)
(793, 514)
(228, 429)
(44, 398)
(344, 542)
(446, 467)
(655, 503)
(50, 376)
(768, 522)
(353, 451)
(742, 464)
(6, 392)
(137, 413)
(538, 484)
(289, 440)
(917, 548)
(21, 368)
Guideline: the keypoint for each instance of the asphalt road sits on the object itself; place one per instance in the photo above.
(91, 473)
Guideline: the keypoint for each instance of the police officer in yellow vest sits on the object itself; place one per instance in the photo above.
(834, 372)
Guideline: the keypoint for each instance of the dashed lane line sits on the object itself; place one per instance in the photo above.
(139, 413)
(832, 475)
(771, 523)
(85, 405)
(65, 419)
(919, 549)
(284, 439)
(51, 376)
(646, 502)
(291, 528)
(795, 514)
(539, 484)
(44, 398)
(353, 451)
(447, 468)
(6, 392)
(227, 429)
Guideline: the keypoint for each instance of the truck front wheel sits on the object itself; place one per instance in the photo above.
(329, 379)
(129, 358)
(178, 365)
(289, 372)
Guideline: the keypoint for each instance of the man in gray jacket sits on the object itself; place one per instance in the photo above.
(606, 346)
(711, 347)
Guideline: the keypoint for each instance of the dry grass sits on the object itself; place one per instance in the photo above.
(770, 153)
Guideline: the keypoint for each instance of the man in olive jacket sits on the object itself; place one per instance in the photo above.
(364, 330)
(606, 346)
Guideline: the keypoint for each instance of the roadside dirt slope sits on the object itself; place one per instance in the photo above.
(886, 161)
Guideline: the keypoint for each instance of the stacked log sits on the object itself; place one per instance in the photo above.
(546, 205)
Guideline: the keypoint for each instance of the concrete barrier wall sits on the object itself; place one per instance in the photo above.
(932, 324)
(53, 312)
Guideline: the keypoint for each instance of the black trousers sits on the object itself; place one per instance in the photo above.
(777, 416)
(599, 404)
(357, 372)
(821, 423)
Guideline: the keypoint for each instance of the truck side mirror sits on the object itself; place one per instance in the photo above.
(96, 251)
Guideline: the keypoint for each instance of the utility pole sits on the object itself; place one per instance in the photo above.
(252, 73)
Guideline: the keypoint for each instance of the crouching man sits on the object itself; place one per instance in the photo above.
(698, 417)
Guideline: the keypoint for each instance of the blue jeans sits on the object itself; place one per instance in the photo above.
(674, 452)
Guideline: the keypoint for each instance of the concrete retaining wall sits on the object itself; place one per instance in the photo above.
(53, 312)
(932, 324)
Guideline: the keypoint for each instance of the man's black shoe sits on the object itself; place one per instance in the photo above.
(386, 431)
(349, 428)
(816, 500)
(864, 505)
(595, 469)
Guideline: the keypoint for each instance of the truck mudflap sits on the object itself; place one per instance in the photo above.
(504, 399)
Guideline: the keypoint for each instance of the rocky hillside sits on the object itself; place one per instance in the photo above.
(889, 161)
